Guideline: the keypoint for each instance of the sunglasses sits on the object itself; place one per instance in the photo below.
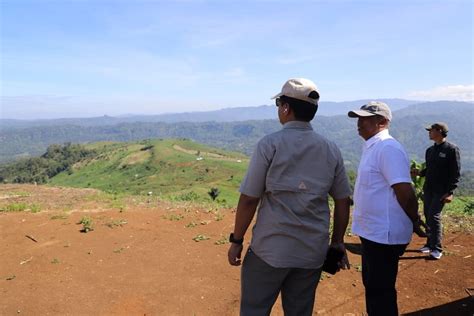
(279, 102)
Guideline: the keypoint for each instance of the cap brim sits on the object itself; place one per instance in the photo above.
(359, 114)
(276, 96)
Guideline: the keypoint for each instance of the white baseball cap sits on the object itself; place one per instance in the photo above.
(299, 88)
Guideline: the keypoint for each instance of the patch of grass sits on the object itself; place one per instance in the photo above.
(119, 250)
(14, 207)
(200, 237)
(116, 223)
(55, 261)
(87, 224)
(324, 275)
(35, 208)
(191, 225)
(173, 217)
(60, 216)
(219, 217)
(222, 241)
(357, 267)
(20, 207)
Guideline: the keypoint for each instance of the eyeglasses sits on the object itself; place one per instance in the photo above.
(278, 102)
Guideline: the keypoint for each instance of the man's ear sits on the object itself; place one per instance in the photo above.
(383, 121)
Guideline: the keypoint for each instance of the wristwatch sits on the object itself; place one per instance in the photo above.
(235, 241)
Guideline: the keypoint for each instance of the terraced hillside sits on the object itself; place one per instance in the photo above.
(172, 169)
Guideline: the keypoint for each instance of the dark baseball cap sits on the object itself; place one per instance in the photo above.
(440, 126)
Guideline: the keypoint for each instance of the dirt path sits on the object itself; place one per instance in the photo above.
(144, 261)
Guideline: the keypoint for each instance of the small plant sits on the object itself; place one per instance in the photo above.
(199, 238)
(219, 217)
(35, 208)
(87, 224)
(61, 216)
(173, 217)
(191, 225)
(469, 208)
(324, 275)
(188, 196)
(55, 261)
(222, 241)
(119, 250)
(214, 193)
(357, 267)
(116, 223)
(418, 181)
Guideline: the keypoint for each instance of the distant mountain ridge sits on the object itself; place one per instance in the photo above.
(407, 126)
(262, 112)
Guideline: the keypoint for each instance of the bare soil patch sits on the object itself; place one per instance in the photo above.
(143, 260)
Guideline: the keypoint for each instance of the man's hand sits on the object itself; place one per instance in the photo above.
(234, 254)
(344, 262)
(447, 198)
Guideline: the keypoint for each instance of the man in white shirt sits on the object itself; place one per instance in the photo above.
(385, 207)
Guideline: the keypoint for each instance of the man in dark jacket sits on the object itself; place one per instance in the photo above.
(441, 174)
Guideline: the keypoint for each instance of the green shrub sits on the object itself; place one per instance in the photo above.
(87, 224)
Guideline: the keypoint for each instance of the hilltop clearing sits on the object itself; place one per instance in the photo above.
(149, 257)
(174, 169)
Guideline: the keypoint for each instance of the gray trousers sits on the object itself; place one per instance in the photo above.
(261, 284)
(432, 207)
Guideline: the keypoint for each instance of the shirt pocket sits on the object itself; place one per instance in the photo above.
(367, 176)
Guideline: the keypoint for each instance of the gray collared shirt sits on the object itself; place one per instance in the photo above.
(293, 171)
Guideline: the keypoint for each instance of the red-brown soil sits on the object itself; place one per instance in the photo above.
(151, 265)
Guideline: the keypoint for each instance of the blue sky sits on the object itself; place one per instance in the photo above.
(87, 58)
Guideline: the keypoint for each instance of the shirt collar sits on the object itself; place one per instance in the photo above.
(297, 125)
(383, 134)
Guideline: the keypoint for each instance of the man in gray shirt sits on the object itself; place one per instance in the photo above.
(291, 174)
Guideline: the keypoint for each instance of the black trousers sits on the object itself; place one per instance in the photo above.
(379, 275)
(432, 209)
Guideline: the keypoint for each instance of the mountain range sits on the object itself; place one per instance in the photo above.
(29, 138)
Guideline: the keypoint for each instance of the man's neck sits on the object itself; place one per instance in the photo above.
(440, 141)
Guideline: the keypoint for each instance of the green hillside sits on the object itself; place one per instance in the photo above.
(172, 169)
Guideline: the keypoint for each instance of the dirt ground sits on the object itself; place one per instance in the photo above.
(141, 259)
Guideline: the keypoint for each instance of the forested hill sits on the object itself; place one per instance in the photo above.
(407, 126)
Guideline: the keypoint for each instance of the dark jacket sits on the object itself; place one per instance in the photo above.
(443, 168)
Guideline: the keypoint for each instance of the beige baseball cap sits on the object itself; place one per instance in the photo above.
(372, 108)
(299, 88)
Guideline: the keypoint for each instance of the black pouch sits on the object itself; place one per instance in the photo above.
(332, 258)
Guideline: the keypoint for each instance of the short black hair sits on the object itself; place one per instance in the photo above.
(304, 111)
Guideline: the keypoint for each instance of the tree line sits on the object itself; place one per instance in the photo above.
(56, 159)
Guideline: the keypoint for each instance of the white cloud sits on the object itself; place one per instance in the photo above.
(455, 92)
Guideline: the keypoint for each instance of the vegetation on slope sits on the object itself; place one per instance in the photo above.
(172, 169)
